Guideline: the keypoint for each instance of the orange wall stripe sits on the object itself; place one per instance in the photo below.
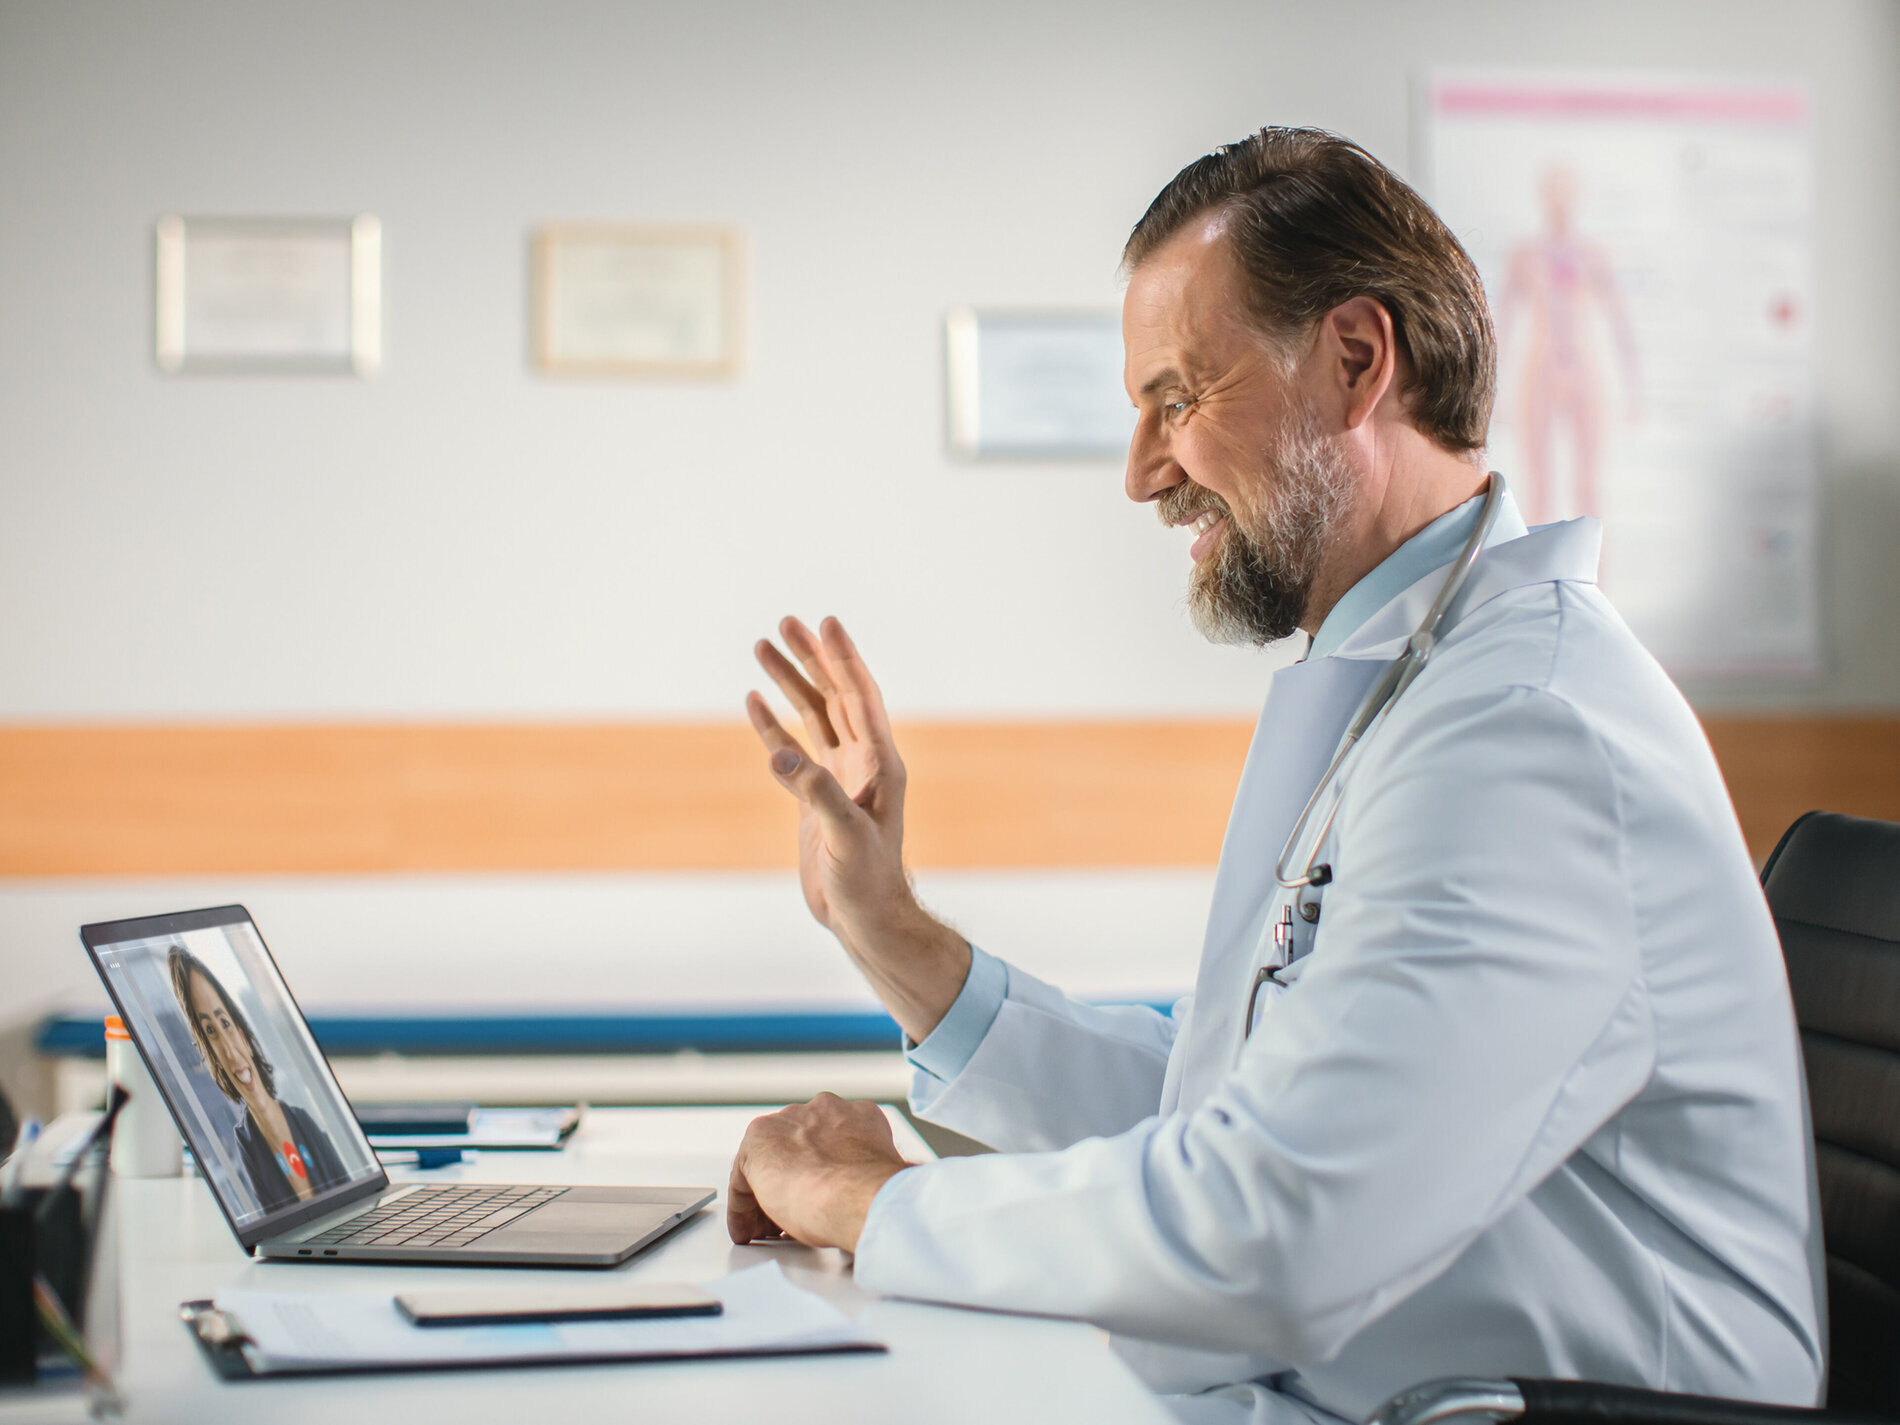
(648, 796)
(210, 799)
(1779, 767)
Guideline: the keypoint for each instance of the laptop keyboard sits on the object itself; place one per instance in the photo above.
(435, 1217)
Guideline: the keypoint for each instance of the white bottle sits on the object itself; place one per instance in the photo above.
(145, 1142)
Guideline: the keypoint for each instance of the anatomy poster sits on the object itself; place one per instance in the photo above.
(1645, 246)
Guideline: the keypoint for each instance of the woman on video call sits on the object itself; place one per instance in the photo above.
(286, 1156)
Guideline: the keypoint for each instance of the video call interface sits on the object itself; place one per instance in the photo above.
(256, 1101)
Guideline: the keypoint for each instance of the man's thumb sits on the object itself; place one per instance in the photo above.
(812, 784)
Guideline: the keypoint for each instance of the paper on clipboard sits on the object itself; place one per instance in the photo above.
(306, 1331)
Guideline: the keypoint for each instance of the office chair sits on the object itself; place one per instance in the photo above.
(1833, 884)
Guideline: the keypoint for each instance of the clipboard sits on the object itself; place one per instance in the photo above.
(221, 1340)
(229, 1349)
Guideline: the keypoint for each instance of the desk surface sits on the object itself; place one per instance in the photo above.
(944, 1364)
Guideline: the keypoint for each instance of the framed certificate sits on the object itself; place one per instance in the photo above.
(620, 300)
(1035, 385)
(268, 295)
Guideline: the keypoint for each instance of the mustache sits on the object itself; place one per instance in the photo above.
(1187, 502)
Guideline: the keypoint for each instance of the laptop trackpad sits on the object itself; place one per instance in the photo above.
(569, 1219)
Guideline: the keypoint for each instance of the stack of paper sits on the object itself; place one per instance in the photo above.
(299, 1331)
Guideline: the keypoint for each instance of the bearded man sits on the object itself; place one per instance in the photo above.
(1496, 1074)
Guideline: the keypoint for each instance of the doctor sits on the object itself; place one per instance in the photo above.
(1497, 1075)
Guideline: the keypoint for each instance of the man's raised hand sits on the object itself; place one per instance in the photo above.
(850, 790)
(850, 786)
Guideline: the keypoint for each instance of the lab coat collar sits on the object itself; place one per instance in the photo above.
(1512, 558)
(1431, 548)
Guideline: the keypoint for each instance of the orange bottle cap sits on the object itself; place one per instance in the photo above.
(115, 1027)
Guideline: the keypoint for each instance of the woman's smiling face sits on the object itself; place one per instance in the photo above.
(225, 1039)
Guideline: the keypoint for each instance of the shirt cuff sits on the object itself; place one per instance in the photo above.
(949, 1047)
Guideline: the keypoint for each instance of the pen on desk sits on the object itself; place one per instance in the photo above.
(421, 1158)
(14, 1184)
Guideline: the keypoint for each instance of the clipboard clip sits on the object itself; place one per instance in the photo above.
(221, 1337)
(215, 1328)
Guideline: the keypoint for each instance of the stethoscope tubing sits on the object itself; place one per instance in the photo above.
(1398, 676)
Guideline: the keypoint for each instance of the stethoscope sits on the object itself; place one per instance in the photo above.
(1399, 676)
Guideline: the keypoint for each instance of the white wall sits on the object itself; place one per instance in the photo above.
(459, 537)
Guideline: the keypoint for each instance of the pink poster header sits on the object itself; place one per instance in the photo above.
(1581, 101)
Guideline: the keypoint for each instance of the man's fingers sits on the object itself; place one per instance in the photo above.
(770, 730)
(808, 651)
(863, 700)
(812, 653)
(746, 1221)
(800, 694)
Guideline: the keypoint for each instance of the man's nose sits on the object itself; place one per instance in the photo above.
(1152, 470)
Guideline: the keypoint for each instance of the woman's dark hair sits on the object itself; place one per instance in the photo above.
(1316, 221)
(183, 965)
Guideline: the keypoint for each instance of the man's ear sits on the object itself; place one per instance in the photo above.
(1361, 354)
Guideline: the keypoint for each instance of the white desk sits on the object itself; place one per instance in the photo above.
(943, 1365)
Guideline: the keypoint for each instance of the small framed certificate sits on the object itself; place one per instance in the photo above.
(620, 300)
(268, 295)
(1025, 385)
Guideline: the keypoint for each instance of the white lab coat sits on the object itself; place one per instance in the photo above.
(1533, 1107)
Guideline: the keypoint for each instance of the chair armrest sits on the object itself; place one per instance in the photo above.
(1573, 1402)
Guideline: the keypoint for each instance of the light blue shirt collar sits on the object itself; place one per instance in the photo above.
(1431, 548)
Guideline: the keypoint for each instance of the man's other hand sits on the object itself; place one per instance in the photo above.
(810, 1171)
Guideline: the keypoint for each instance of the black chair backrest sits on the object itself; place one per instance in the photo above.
(1834, 887)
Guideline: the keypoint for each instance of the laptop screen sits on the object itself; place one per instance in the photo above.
(230, 1051)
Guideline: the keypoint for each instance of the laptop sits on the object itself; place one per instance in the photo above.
(277, 1142)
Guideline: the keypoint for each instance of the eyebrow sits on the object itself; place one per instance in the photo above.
(1167, 377)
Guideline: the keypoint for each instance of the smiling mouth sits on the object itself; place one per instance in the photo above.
(1206, 529)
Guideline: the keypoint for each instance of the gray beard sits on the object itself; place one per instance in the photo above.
(1254, 590)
